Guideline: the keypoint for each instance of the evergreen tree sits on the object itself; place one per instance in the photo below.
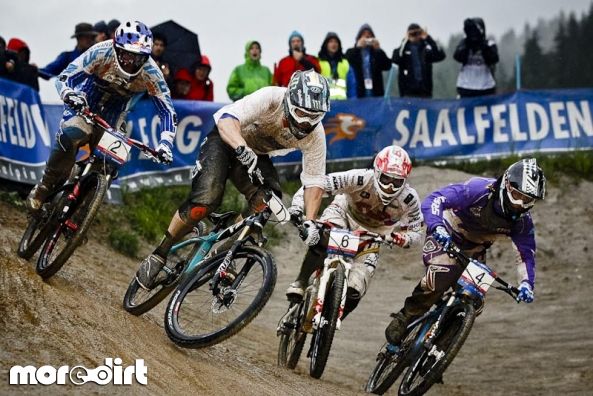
(533, 70)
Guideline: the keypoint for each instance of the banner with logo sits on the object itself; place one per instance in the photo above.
(522, 122)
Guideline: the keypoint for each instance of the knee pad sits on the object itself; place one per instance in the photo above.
(192, 214)
(69, 138)
(358, 281)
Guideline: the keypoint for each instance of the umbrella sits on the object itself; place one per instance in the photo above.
(183, 48)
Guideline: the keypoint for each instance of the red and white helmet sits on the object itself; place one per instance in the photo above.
(392, 166)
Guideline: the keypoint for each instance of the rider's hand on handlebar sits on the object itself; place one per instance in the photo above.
(441, 235)
(400, 239)
(525, 292)
(310, 233)
(75, 100)
(164, 154)
(248, 159)
(296, 214)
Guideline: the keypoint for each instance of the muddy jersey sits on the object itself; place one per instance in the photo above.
(472, 219)
(358, 198)
(263, 127)
(95, 73)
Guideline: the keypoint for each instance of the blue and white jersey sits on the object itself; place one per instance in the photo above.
(96, 74)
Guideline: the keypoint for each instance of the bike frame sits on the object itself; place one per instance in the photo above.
(330, 265)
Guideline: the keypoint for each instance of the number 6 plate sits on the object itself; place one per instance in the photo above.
(343, 242)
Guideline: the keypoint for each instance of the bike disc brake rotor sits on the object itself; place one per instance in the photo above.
(224, 300)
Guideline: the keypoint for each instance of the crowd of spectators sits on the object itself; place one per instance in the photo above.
(357, 72)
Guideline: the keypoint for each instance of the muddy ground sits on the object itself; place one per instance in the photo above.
(545, 348)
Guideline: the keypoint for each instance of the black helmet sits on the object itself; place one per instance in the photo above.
(522, 184)
(306, 102)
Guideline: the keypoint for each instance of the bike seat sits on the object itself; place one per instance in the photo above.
(222, 219)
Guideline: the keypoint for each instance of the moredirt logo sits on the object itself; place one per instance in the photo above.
(110, 373)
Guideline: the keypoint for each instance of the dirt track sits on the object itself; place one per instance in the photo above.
(76, 318)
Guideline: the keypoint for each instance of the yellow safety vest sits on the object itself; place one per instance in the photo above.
(337, 88)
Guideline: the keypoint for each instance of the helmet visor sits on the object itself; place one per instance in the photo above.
(130, 62)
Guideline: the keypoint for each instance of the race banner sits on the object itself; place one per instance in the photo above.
(429, 129)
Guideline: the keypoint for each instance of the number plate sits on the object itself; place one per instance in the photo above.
(343, 242)
(478, 275)
(114, 147)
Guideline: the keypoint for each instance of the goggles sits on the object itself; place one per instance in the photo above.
(130, 61)
(390, 182)
(518, 198)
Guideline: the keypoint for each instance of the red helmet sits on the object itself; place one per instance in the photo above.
(392, 166)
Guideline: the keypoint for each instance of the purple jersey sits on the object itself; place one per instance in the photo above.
(473, 220)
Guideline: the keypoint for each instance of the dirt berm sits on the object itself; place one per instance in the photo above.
(545, 348)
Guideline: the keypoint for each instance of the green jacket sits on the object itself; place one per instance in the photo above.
(248, 77)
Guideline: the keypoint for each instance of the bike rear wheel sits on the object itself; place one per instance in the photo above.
(391, 362)
(196, 318)
(138, 301)
(63, 242)
(38, 229)
(324, 335)
(430, 365)
(292, 339)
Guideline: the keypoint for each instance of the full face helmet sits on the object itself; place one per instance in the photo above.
(133, 46)
(306, 102)
(522, 184)
(391, 169)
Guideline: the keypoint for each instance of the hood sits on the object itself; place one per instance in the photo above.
(324, 54)
(248, 59)
(295, 33)
(364, 27)
(182, 74)
(15, 44)
(205, 61)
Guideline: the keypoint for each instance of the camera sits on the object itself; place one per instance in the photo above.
(369, 41)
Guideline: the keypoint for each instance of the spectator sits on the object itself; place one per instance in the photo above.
(296, 60)
(478, 57)
(111, 27)
(159, 45)
(415, 57)
(102, 31)
(25, 73)
(7, 60)
(85, 38)
(335, 67)
(202, 88)
(251, 75)
(181, 84)
(368, 61)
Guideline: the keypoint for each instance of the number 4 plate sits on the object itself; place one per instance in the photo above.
(479, 275)
(343, 242)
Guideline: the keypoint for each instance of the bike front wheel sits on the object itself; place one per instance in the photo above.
(429, 366)
(38, 229)
(68, 235)
(324, 335)
(198, 317)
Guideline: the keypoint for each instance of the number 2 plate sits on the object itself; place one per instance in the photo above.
(114, 147)
(343, 243)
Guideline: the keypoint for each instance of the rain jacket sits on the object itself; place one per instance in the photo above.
(248, 77)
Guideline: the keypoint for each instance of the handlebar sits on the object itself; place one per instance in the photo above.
(454, 251)
(96, 119)
(327, 226)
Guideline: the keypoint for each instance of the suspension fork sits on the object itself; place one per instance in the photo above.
(432, 332)
(347, 266)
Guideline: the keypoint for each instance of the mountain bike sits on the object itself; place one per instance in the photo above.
(60, 226)
(320, 311)
(225, 292)
(432, 341)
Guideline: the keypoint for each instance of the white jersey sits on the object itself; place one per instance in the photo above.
(359, 200)
(266, 131)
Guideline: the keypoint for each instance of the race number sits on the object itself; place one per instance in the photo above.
(479, 275)
(114, 147)
(343, 242)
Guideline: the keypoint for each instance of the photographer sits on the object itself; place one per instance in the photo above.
(368, 61)
(415, 57)
(478, 57)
